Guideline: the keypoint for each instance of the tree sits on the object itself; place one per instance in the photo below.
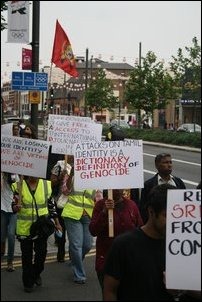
(187, 72)
(3, 8)
(100, 95)
(149, 86)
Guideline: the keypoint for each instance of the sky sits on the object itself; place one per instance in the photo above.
(110, 29)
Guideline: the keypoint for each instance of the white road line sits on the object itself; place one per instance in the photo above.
(177, 160)
(184, 180)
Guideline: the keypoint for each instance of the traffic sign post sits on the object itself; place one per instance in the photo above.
(37, 81)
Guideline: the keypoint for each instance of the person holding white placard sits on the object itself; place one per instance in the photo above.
(135, 266)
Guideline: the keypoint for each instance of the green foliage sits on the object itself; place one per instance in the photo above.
(149, 86)
(187, 71)
(162, 136)
(100, 95)
(3, 8)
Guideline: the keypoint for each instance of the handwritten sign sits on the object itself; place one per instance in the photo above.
(64, 132)
(7, 129)
(108, 165)
(24, 156)
(183, 240)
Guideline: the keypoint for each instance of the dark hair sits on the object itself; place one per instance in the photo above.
(33, 130)
(199, 185)
(159, 157)
(157, 198)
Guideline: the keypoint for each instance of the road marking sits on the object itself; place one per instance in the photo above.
(177, 160)
(184, 180)
(49, 259)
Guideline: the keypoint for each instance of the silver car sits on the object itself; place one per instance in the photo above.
(189, 128)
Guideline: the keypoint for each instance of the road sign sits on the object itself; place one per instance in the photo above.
(34, 97)
(37, 81)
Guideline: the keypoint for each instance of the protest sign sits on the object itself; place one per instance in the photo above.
(64, 132)
(52, 117)
(7, 129)
(108, 165)
(24, 156)
(183, 240)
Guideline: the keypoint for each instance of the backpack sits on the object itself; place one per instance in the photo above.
(117, 133)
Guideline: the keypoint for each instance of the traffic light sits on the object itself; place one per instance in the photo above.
(51, 93)
(51, 104)
(69, 96)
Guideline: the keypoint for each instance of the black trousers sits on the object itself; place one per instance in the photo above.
(33, 259)
(61, 241)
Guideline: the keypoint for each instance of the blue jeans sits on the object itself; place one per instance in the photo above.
(8, 227)
(80, 243)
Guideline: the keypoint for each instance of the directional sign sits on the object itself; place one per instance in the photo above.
(29, 81)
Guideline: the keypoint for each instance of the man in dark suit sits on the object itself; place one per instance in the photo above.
(163, 163)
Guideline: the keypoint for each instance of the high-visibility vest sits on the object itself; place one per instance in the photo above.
(27, 215)
(79, 201)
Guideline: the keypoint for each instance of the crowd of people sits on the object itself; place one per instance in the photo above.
(130, 265)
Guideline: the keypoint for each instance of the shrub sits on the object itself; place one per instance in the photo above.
(162, 136)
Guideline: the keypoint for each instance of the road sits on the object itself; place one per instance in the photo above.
(57, 283)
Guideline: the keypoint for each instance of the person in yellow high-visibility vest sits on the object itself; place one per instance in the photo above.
(34, 193)
(77, 214)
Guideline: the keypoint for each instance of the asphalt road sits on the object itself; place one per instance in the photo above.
(57, 282)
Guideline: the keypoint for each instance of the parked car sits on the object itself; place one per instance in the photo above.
(121, 123)
(189, 128)
(15, 119)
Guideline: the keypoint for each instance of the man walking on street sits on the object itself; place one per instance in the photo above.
(163, 163)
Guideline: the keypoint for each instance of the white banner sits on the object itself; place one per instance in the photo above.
(64, 132)
(24, 156)
(183, 240)
(7, 129)
(108, 165)
(18, 22)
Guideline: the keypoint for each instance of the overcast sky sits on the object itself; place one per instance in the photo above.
(111, 28)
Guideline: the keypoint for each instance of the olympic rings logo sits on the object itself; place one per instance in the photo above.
(41, 79)
(17, 35)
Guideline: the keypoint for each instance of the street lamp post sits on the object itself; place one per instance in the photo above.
(120, 85)
(91, 68)
(35, 55)
(86, 82)
(139, 112)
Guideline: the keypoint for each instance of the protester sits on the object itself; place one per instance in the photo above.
(52, 160)
(135, 265)
(77, 214)
(58, 174)
(16, 130)
(29, 132)
(163, 163)
(21, 125)
(126, 217)
(8, 218)
(35, 192)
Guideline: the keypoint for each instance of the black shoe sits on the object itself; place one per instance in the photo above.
(28, 289)
(38, 281)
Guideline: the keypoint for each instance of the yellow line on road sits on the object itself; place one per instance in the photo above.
(49, 259)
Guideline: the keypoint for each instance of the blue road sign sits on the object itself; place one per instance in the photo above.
(29, 81)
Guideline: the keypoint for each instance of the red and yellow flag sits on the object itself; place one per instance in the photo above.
(62, 55)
